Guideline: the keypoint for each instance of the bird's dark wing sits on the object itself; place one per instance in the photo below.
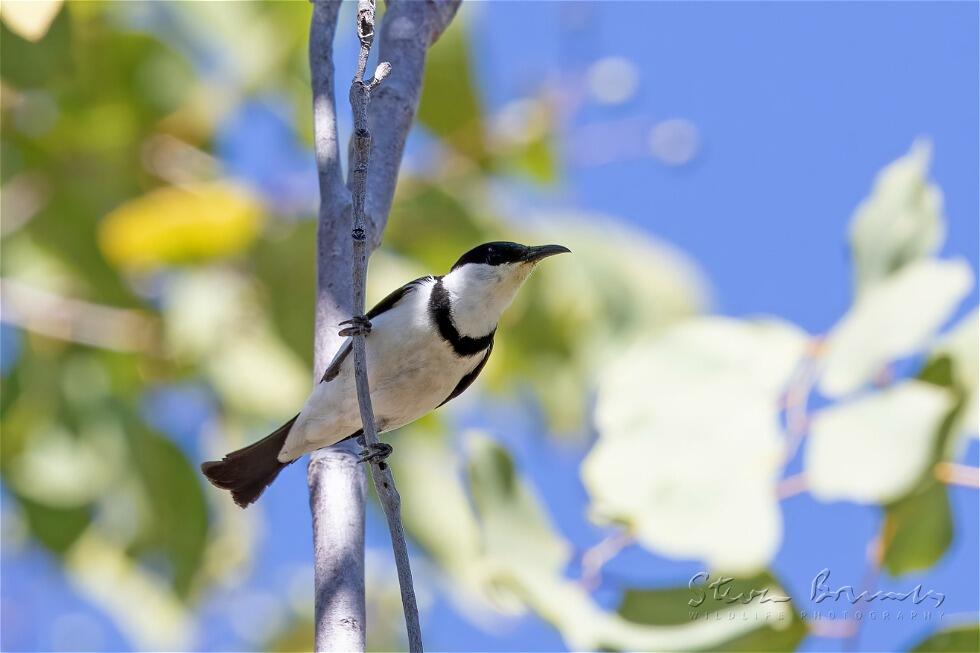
(394, 297)
(333, 369)
(385, 304)
(468, 380)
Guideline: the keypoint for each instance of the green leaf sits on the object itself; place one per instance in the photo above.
(297, 636)
(652, 406)
(285, 263)
(54, 527)
(536, 159)
(433, 226)
(918, 527)
(917, 530)
(958, 639)
(670, 606)
(876, 448)
(522, 140)
(513, 521)
(895, 318)
(961, 347)
(30, 20)
(178, 525)
(450, 107)
(28, 64)
(900, 222)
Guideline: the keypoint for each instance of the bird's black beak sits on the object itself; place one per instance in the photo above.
(535, 254)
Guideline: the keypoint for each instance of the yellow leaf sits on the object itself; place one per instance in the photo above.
(178, 224)
(29, 19)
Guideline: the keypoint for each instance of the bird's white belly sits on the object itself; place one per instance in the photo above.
(411, 370)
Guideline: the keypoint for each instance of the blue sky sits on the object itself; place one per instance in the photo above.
(797, 105)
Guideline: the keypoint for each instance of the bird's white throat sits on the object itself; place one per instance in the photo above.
(479, 294)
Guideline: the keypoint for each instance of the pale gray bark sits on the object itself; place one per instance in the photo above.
(384, 482)
(337, 484)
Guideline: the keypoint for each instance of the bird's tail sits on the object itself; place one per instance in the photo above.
(249, 471)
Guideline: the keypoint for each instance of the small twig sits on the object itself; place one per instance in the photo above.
(957, 474)
(848, 629)
(596, 557)
(832, 628)
(336, 480)
(875, 554)
(791, 486)
(384, 482)
(75, 320)
(797, 397)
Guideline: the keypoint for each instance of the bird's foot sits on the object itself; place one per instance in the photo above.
(376, 453)
(358, 325)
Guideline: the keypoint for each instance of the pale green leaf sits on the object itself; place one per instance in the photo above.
(202, 307)
(259, 375)
(147, 612)
(214, 316)
(64, 470)
(874, 449)
(576, 311)
(900, 222)
(895, 318)
(689, 428)
(526, 556)
(424, 467)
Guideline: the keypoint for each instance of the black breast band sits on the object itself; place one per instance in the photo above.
(439, 308)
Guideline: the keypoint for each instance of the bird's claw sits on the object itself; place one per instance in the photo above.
(359, 325)
(376, 453)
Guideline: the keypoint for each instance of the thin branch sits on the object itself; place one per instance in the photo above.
(791, 486)
(384, 482)
(875, 555)
(797, 398)
(832, 628)
(409, 28)
(75, 320)
(596, 557)
(956, 474)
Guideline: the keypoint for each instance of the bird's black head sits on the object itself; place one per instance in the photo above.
(501, 252)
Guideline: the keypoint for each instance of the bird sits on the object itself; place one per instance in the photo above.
(426, 343)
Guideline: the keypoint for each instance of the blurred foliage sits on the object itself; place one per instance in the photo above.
(691, 376)
(176, 225)
(959, 638)
(666, 606)
(900, 222)
(117, 207)
(521, 143)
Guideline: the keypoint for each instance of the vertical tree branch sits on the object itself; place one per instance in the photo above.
(336, 480)
(336, 483)
(409, 28)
